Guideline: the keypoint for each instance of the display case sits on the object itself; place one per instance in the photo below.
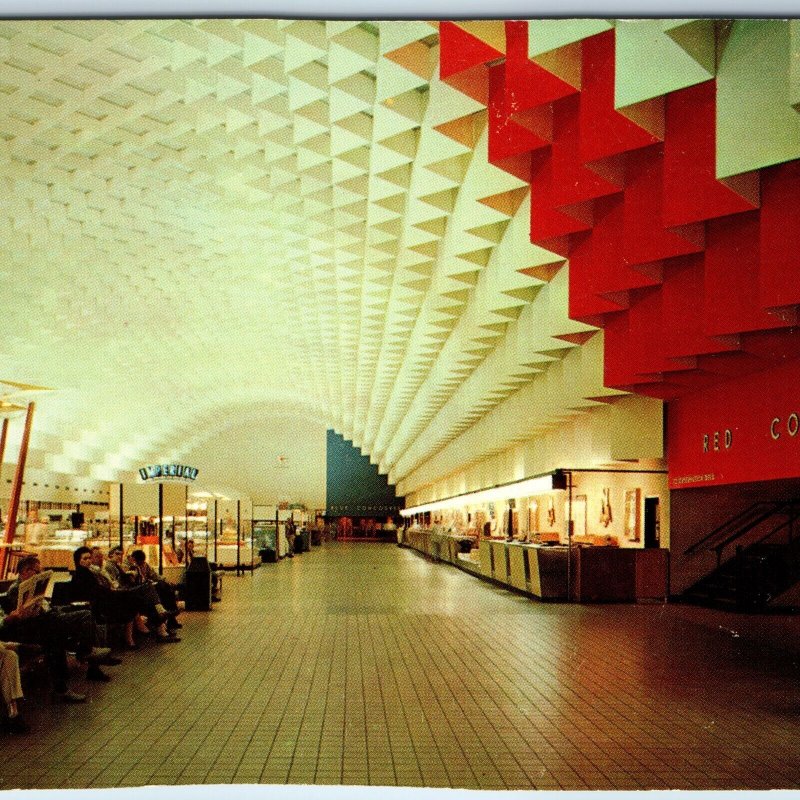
(55, 552)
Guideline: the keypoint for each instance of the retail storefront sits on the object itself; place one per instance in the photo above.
(612, 522)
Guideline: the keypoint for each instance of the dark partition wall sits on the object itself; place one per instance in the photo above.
(355, 488)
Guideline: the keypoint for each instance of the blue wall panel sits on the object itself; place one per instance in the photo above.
(354, 486)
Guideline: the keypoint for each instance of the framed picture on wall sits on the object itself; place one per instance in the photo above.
(533, 516)
(632, 515)
(579, 527)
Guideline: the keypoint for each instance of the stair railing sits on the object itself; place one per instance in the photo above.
(741, 524)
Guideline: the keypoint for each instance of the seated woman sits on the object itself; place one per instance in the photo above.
(117, 605)
(166, 594)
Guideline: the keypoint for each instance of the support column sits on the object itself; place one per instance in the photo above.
(161, 528)
(16, 491)
(121, 535)
(3, 437)
(215, 529)
(238, 539)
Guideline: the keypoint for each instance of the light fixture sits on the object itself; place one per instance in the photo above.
(523, 488)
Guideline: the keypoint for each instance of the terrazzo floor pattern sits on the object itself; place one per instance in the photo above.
(366, 664)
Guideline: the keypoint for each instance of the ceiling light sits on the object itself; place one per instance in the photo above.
(518, 489)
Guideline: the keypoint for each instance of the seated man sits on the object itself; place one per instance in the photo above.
(118, 604)
(76, 625)
(120, 577)
(56, 631)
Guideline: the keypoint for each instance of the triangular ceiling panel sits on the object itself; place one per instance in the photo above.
(308, 215)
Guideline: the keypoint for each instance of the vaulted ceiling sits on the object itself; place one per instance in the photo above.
(201, 219)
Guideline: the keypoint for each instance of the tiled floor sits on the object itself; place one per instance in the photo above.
(365, 664)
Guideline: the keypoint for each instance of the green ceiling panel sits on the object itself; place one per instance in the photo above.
(794, 64)
(650, 63)
(697, 37)
(548, 34)
(756, 124)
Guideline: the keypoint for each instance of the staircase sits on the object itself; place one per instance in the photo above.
(757, 559)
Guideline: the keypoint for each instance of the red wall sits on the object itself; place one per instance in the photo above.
(745, 429)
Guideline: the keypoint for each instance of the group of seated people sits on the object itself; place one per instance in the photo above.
(103, 591)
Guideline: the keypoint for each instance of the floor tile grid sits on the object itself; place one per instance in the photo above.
(535, 698)
(476, 748)
(480, 708)
(490, 690)
(489, 713)
(409, 730)
(320, 743)
(489, 687)
(503, 714)
(618, 718)
(286, 704)
(379, 722)
(442, 760)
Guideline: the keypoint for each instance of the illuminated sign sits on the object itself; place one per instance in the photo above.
(167, 472)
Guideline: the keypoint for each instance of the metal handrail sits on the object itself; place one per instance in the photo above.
(793, 516)
(708, 542)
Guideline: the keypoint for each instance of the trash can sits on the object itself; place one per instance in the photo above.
(198, 585)
(267, 555)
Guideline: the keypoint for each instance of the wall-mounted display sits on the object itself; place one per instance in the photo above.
(632, 515)
(606, 517)
(579, 521)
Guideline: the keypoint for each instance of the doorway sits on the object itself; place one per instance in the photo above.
(652, 522)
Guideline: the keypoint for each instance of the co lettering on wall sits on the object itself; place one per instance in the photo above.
(777, 427)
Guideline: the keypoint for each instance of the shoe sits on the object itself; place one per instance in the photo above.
(132, 646)
(16, 725)
(94, 673)
(167, 639)
(174, 625)
(69, 696)
(111, 661)
(99, 655)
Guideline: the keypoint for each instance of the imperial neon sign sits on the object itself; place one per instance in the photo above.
(167, 472)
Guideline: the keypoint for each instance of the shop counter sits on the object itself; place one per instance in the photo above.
(55, 557)
(499, 560)
(226, 556)
(598, 573)
(439, 546)
(612, 574)
(540, 570)
(485, 557)
(548, 571)
(518, 566)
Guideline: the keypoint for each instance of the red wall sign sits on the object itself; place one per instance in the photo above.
(747, 429)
